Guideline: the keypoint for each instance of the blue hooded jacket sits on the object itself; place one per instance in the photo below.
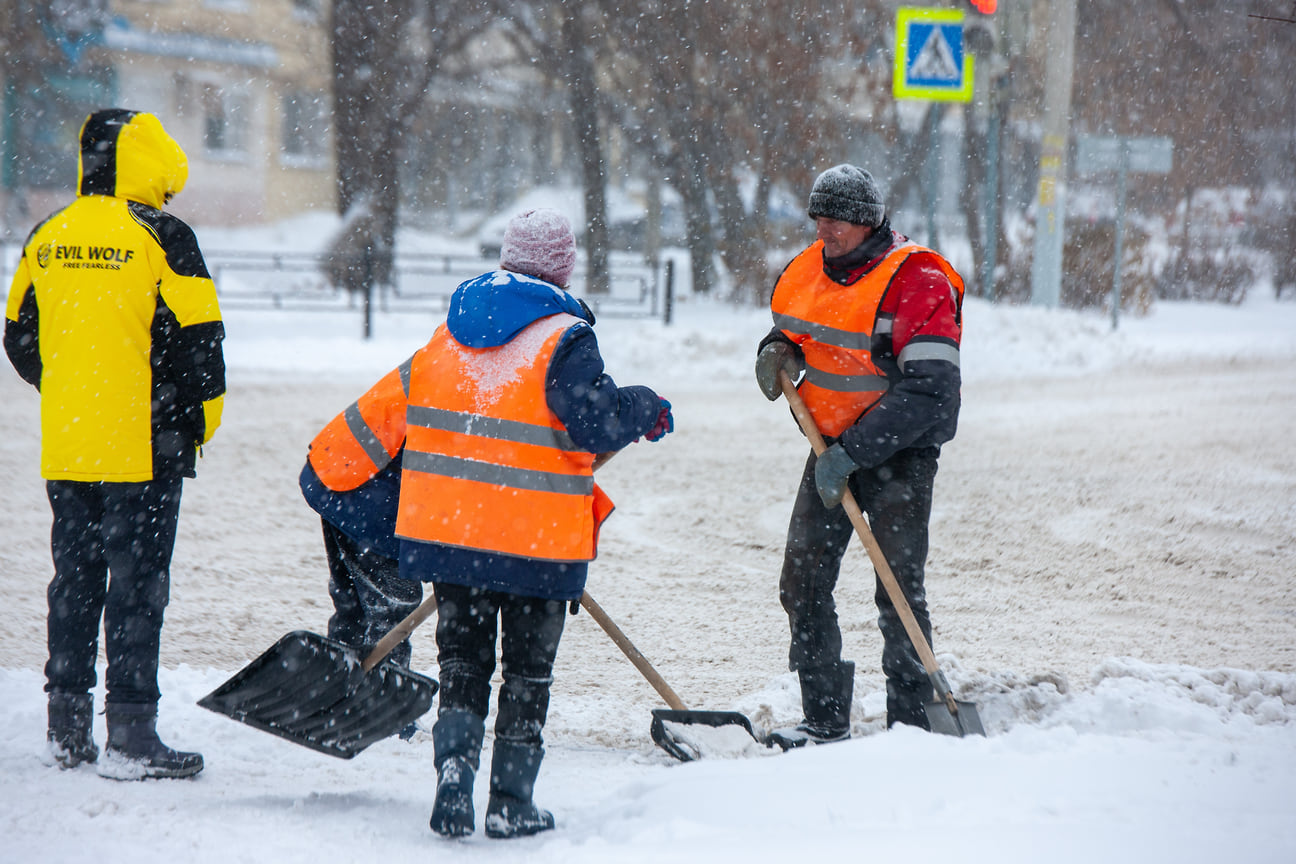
(493, 308)
(488, 311)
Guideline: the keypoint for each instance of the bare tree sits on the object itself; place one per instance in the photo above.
(366, 35)
(1203, 73)
(658, 76)
(385, 55)
(727, 101)
(580, 33)
(732, 99)
(567, 40)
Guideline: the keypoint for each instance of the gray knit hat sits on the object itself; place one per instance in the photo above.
(848, 194)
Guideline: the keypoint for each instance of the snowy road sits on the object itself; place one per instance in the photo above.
(1144, 512)
(1109, 496)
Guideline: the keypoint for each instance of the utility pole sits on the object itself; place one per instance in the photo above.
(1050, 196)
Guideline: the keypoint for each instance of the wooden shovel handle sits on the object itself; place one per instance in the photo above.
(857, 519)
(631, 652)
(622, 641)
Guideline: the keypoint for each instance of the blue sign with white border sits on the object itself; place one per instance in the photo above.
(930, 62)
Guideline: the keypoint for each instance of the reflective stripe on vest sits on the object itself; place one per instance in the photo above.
(364, 438)
(835, 326)
(487, 465)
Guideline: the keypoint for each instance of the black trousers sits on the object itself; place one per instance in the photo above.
(125, 531)
(896, 496)
(468, 620)
(369, 596)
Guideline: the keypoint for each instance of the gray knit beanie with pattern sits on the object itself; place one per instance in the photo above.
(848, 194)
(540, 243)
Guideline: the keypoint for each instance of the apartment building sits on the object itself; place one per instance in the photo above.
(243, 85)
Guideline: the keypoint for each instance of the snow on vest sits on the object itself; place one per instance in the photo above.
(487, 465)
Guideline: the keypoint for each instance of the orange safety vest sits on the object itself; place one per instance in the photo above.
(835, 324)
(487, 465)
(359, 442)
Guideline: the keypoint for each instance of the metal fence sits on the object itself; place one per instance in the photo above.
(419, 283)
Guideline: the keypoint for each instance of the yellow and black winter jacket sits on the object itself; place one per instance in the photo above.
(113, 317)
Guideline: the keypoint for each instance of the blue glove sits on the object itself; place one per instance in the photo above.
(832, 470)
(665, 423)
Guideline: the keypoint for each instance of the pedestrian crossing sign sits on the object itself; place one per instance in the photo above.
(930, 62)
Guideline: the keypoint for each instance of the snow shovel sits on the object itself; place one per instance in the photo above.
(681, 732)
(319, 693)
(946, 714)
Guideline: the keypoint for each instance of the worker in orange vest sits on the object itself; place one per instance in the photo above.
(497, 421)
(874, 321)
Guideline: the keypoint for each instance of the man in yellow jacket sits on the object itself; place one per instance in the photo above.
(113, 317)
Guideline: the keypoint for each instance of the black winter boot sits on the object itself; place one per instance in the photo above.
(907, 705)
(456, 741)
(826, 702)
(135, 752)
(510, 811)
(70, 735)
(452, 812)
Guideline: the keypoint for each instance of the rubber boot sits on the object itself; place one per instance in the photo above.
(135, 752)
(456, 741)
(510, 811)
(825, 702)
(70, 735)
(907, 705)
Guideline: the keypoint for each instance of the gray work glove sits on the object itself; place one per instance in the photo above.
(832, 470)
(774, 356)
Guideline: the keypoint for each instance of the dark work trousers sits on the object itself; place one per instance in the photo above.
(896, 497)
(466, 628)
(369, 596)
(126, 531)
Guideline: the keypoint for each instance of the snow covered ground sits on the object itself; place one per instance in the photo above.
(1111, 578)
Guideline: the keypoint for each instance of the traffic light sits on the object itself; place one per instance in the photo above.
(986, 7)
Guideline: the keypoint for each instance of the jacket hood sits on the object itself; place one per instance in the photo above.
(491, 309)
(127, 154)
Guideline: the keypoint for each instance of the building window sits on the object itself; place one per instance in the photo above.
(224, 122)
(307, 9)
(305, 128)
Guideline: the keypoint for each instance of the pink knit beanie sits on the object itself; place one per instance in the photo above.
(540, 243)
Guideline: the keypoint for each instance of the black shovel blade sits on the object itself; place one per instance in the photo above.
(311, 690)
(959, 723)
(685, 735)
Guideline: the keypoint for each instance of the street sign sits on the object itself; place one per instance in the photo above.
(930, 62)
(1098, 153)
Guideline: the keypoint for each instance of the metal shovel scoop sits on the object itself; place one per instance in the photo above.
(318, 692)
(683, 733)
